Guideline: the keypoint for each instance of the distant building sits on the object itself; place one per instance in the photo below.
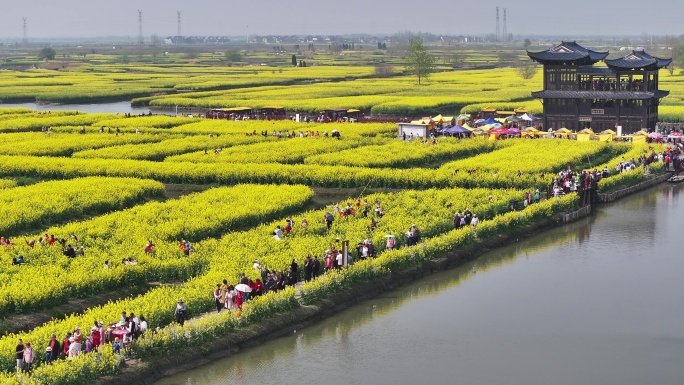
(579, 95)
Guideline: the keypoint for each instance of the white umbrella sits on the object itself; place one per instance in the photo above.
(243, 288)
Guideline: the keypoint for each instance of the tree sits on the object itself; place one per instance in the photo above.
(527, 70)
(508, 59)
(383, 71)
(677, 52)
(294, 60)
(233, 56)
(418, 60)
(527, 43)
(155, 45)
(191, 53)
(47, 54)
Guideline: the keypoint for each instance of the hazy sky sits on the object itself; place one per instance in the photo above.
(91, 18)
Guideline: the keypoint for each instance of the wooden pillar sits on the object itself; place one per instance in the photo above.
(546, 76)
(618, 117)
(545, 120)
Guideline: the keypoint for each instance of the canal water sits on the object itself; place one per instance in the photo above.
(598, 301)
(113, 107)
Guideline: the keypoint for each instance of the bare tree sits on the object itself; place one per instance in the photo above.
(527, 70)
(383, 71)
(155, 46)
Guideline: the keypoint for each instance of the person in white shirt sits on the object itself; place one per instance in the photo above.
(278, 233)
(339, 260)
(74, 349)
(143, 325)
(475, 221)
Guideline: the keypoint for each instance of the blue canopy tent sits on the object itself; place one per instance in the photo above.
(487, 122)
(457, 129)
(529, 117)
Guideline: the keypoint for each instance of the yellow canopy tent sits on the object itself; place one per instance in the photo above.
(467, 127)
(611, 132)
(586, 131)
(640, 133)
(438, 118)
(521, 110)
(531, 132)
(605, 137)
(562, 132)
(639, 138)
(479, 131)
(583, 137)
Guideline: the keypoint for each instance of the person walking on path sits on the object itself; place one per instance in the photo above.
(54, 347)
(230, 297)
(218, 298)
(29, 357)
(20, 355)
(316, 267)
(390, 241)
(238, 300)
(224, 291)
(308, 268)
(295, 271)
(180, 312)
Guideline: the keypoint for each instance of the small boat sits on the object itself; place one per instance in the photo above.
(676, 178)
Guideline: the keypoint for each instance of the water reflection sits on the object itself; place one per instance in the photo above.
(596, 301)
(112, 107)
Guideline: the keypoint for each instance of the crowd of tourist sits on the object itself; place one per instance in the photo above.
(118, 336)
(46, 241)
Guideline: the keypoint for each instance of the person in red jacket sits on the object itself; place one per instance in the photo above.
(66, 343)
(258, 288)
(149, 247)
(54, 348)
(95, 335)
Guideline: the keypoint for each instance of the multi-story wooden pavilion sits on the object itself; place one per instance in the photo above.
(577, 94)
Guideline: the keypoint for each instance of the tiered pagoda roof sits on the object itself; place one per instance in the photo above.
(568, 51)
(637, 59)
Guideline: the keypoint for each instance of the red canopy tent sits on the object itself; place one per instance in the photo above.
(498, 131)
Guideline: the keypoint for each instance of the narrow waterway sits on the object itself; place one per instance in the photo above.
(595, 302)
(111, 107)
